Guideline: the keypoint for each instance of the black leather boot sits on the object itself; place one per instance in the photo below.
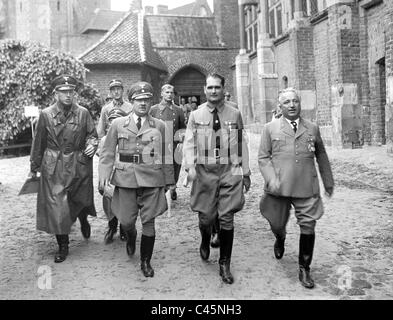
(63, 241)
(112, 229)
(123, 236)
(215, 241)
(279, 246)
(85, 225)
(306, 249)
(131, 239)
(204, 249)
(226, 243)
(147, 246)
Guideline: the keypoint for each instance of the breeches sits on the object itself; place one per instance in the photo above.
(149, 203)
(277, 210)
(217, 191)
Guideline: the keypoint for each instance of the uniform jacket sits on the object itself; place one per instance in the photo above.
(174, 115)
(66, 184)
(148, 142)
(198, 139)
(103, 123)
(290, 158)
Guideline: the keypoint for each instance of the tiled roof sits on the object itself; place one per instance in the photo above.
(103, 20)
(128, 42)
(191, 9)
(182, 31)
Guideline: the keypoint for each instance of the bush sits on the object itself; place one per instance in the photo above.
(26, 72)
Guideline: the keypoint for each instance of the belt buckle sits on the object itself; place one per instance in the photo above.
(136, 158)
(216, 153)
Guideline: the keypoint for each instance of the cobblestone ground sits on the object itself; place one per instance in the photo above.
(353, 254)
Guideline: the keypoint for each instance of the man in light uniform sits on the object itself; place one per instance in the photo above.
(217, 161)
(140, 176)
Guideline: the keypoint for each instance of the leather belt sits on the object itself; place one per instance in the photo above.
(132, 158)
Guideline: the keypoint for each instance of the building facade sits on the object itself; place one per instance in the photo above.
(337, 53)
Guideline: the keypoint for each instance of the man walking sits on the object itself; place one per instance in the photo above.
(116, 107)
(173, 116)
(216, 158)
(63, 147)
(286, 156)
(140, 175)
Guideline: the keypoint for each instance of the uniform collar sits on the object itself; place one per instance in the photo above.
(163, 105)
(219, 107)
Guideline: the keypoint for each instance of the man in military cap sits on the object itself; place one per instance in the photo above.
(173, 116)
(64, 145)
(216, 158)
(140, 175)
(115, 108)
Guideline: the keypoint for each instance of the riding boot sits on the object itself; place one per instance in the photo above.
(215, 241)
(112, 229)
(62, 241)
(123, 236)
(85, 225)
(204, 249)
(306, 248)
(279, 246)
(131, 239)
(226, 243)
(147, 246)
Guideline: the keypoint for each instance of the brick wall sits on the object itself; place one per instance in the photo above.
(226, 14)
(101, 75)
(204, 60)
(377, 21)
(322, 74)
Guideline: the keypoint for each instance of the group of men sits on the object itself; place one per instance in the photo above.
(136, 143)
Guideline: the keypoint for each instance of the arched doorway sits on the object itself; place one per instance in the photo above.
(189, 82)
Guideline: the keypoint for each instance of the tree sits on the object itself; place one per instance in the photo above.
(26, 72)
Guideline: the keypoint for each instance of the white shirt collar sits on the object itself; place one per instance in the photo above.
(143, 119)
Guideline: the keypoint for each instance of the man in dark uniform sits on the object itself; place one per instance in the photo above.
(217, 161)
(63, 147)
(116, 107)
(173, 116)
(140, 175)
(287, 153)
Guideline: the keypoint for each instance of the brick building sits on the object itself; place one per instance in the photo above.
(186, 44)
(338, 53)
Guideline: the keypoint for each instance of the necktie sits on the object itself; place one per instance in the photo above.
(216, 121)
(216, 127)
(139, 123)
(294, 125)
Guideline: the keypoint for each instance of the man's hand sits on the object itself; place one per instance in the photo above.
(247, 183)
(90, 150)
(191, 174)
(102, 183)
(33, 174)
(329, 192)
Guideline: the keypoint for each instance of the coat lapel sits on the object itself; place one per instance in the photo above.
(132, 125)
(145, 127)
(302, 128)
(286, 127)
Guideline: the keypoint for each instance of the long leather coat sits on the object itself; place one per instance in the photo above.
(66, 184)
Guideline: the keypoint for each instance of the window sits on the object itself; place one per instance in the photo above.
(275, 19)
(251, 14)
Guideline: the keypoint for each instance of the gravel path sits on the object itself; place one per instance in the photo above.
(353, 254)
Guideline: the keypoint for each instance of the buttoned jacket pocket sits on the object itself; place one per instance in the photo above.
(278, 142)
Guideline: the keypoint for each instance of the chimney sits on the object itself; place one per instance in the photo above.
(149, 10)
(162, 9)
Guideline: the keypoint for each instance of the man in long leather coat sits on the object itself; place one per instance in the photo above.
(62, 151)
